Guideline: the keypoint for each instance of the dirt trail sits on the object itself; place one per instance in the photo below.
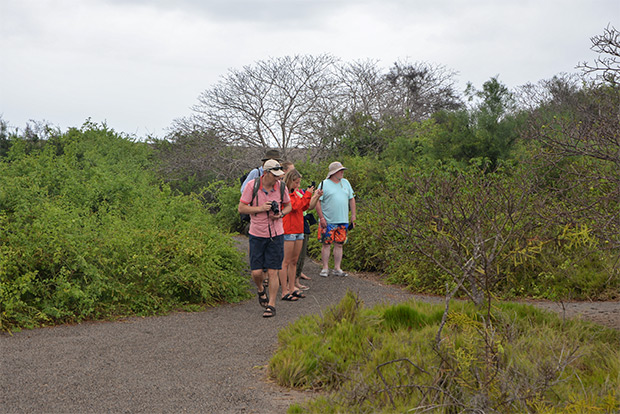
(205, 362)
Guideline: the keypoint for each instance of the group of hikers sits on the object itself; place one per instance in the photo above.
(278, 208)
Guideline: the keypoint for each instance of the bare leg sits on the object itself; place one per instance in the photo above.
(274, 285)
(337, 256)
(257, 277)
(325, 252)
(287, 266)
(292, 265)
(302, 257)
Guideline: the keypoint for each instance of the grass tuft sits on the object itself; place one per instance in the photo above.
(385, 360)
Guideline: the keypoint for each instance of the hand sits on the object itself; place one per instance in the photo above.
(322, 222)
(266, 206)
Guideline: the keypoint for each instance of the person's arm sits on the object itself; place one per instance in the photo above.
(353, 209)
(286, 208)
(315, 198)
(243, 208)
(299, 203)
(319, 211)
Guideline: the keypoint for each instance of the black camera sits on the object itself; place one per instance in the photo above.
(275, 208)
(313, 184)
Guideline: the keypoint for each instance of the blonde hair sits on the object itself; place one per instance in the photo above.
(291, 176)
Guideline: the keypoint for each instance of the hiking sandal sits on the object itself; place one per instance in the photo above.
(290, 297)
(298, 294)
(263, 299)
(269, 312)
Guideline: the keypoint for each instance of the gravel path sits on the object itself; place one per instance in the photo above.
(205, 362)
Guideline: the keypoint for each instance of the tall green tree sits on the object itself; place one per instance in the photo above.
(487, 129)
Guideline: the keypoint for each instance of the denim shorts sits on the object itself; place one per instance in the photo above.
(293, 237)
(266, 253)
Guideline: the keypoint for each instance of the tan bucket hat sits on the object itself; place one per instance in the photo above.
(334, 167)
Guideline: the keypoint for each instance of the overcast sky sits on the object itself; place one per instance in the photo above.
(139, 64)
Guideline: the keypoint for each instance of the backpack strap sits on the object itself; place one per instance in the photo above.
(257, 186)
(255, 190)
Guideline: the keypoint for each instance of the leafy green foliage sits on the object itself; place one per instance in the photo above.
(425, 221)
(87, 232)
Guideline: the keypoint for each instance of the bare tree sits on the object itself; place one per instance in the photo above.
(364, 89)
(273, 103)
(607, 64)
(420, 89)
(191, 153)
(561, 89)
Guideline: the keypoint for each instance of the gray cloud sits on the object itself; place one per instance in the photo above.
(141, 63)
(278, 13)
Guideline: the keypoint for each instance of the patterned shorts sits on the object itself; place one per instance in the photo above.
(334, 233)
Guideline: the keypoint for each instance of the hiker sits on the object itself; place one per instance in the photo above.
(286, 167)
(294, 233)
(266, 203)
(308, 221)
(258, 171)
(333, 211)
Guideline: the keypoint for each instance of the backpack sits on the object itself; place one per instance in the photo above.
(244, 176)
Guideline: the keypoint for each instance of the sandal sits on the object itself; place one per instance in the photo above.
(303, 276)
(298, 294)
(290, 297)
(269, 312)
(263, 299)
(303, 287)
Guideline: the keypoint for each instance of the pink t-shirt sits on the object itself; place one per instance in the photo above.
(261, 224)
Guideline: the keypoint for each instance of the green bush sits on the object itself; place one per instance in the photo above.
(86, 231)
(445, 211)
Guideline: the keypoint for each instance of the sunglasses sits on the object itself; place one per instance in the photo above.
(275, 169)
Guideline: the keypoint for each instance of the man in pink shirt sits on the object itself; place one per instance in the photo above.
(266, 234)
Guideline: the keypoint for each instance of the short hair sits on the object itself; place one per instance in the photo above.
(291, 176)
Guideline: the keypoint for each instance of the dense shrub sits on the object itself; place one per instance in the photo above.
(87, 232)
(427, 223)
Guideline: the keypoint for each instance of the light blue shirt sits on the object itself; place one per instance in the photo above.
(255, 173)
(335, 201)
